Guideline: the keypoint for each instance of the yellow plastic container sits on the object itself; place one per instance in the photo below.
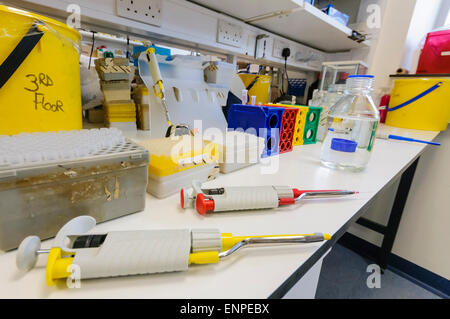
(421, 104)
(172, 155)
(261, 87)
(120, 111)
(43, 93)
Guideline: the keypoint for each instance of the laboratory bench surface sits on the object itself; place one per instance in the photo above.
(260, 272)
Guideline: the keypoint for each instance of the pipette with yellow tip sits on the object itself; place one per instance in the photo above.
(122, 253)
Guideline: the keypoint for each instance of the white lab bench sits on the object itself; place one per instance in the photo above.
(253, 272)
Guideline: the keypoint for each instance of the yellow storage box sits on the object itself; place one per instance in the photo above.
(120, 111)
(39, 74)
(172, 155)
(176, 161)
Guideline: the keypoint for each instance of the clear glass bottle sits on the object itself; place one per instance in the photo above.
(351, 126)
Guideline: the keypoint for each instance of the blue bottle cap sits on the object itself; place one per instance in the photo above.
(342, 145)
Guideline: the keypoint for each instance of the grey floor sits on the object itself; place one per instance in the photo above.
(344, 276)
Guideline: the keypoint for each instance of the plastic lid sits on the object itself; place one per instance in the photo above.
(33, 16)
(360, 82)
(342, 145)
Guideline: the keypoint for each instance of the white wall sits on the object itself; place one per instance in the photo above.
(424, 234)
(367, 54)
(422, 22)
(442, 14)
(423, 237)
(388, 53)
(385, 54)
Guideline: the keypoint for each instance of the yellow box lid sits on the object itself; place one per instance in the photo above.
(172, 155)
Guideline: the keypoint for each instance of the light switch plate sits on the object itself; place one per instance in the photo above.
(263, 47)
(147, 11)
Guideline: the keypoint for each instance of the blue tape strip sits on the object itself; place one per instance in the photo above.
(421, 95)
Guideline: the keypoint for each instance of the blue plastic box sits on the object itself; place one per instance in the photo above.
(263, 121)
(336, 14)
(296, 87)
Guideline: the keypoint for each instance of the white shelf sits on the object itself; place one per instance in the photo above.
(246, 9)
(295, 20)
(184, 24)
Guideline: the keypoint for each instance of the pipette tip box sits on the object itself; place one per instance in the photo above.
(240, 150)
(46, 179)
(176, 161)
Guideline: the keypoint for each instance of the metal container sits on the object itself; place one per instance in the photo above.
(38, 199)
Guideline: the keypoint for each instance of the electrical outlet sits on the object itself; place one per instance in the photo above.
(147, 11)
(230, 34)
(278, 47)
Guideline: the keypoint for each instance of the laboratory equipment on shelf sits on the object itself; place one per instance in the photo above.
(160, 92)
(77, 254)
(352, 126)
(222, 199)
(189, 99)
(337, 72)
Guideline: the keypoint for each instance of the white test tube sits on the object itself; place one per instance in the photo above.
(244, 97)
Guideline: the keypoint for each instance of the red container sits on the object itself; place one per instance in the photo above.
(384, 103)
(435, 56)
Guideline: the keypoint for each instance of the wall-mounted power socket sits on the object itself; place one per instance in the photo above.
(278, 46)
(147, 11)
(231, 34)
